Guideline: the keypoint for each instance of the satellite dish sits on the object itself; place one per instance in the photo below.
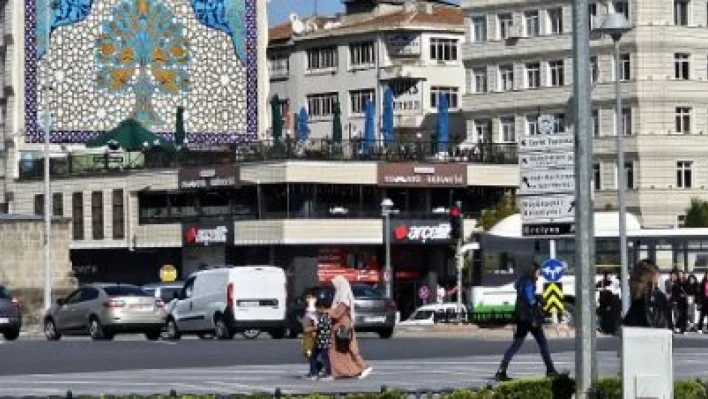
(298, 27)
(329, 25)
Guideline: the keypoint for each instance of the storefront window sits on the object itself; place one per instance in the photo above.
(244, 204)
(371, 198)
(153, 207)
(182, 205)
(302, 201)
(275, 201)
(214, 203)
(335, 200)
(440, 198)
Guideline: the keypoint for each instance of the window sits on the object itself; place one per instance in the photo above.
(683, 120)
(533, 75)
(320, 58)
(278, 65)
(97, 215)
(681, 12)
(58, 204)
(358, 100)
(508, 133)
(362, 54)
(39, 204)
(684, 174)
(680, 221)
(77, 215)
(629, 175)
(531, 125)
(125, 290)
(118, 216)
(682, 66)
(321, 105)
(506, 77)
(622, 7)
(625, 67)
(482, 130)
(504, 22)
(595, 123)
(443, 49)
(555, 21)
(449, 92)
(597, 176)
(592, 12)
(559, 123)
(480, 80)
(531, 23)
(557, 73)
(626, 121)
(479, 29)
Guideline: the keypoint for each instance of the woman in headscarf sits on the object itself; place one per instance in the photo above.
(649, 307)
(345, 358)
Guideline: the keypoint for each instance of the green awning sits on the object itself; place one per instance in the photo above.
(130, 135)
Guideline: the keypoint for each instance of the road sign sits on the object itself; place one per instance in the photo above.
(552, 270)
(553, 142)
(553, 297)
(548, 229)
(424, 292)
(546, 124)
(546, 208)
(547, 181)
(539, 160)
(168, 274)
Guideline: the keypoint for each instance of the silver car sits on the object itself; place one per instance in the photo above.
(103, 310)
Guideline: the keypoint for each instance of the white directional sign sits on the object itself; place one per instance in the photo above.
(547, 208)
(537, 160)
(547, 181)
(553, 142)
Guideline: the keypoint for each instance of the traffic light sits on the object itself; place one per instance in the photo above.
(456, 222)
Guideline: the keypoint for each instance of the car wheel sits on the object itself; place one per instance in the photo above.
(11, 335)
(171, 330)
(278, 334)
(386, 333)
(153, 335)
(96, 330)
(251, 334)
(221, 330)
(50, 330)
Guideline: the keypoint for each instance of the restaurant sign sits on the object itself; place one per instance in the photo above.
(208, 177)
(422, 175)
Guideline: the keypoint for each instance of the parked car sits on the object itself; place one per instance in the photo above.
(103, 310)
(10, 315)
(227, 300)
(373, 311)
(164, 291)
(429, 315)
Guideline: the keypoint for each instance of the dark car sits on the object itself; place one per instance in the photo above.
(373, 311)
(10, 315)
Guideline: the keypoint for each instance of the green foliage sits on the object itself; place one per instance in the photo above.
(503, 209)
(689, 390)
(607, 388)
(697, 213)
(562, 387)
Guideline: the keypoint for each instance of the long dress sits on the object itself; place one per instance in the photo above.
(346, 362)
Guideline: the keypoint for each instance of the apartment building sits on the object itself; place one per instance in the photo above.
(518, 61)
(411, 47)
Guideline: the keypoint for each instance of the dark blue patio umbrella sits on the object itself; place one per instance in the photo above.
(387, 131)
(303, 128)
(442, 128)
(369, 133)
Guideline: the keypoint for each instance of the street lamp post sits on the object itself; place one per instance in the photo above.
(616, 25)
(46, 125)
(386, 211)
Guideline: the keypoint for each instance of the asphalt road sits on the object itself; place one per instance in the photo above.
(134, 365)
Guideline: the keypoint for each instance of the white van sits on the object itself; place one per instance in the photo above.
(227, 300)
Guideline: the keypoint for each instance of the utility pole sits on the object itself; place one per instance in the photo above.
(46, 125)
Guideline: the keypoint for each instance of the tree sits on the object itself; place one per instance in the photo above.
(141, 48)
(697, 213)
(503, 209)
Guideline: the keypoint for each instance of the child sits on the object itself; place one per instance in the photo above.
(309, 321)
(323, 341)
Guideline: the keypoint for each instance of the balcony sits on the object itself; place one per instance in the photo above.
(117, 162)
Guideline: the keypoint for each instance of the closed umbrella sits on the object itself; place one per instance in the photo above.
(180, 133)
(442, 130)
(369, 133)
(387, 132)
(302, 124)
(337, 125)
(277, 118)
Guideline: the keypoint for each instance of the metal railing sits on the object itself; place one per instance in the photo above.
(89, 163)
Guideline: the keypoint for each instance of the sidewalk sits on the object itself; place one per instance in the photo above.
(474, 331)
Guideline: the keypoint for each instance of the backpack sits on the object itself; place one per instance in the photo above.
(654, 310)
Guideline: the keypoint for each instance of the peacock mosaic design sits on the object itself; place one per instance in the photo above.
(108, 60)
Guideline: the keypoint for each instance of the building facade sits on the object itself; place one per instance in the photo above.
(518, 60)
(411, 47)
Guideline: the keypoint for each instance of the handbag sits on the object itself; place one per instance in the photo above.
(656, 315)
(343, 335)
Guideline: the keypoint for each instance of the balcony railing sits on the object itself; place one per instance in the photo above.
(88, 163)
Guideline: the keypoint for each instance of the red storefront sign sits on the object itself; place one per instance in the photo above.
(333, 262)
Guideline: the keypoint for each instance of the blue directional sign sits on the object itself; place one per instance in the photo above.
(552, 270)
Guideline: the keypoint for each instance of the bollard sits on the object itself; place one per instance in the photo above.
(384, 389)
(278, 393)
(173, 393)
(69, 394)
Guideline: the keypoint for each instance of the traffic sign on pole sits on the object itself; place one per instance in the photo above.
(545, 208)
(537, 160)
(547, 181)
(553, 297)
(543, 143)
(552, 270)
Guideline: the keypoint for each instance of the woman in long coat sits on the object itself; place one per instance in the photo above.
(345, 359)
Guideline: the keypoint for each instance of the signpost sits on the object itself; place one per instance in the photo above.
(552, 271)
(547, 182)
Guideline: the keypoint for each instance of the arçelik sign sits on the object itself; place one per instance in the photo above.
(422, 175)
(420, 232)
(207, 235)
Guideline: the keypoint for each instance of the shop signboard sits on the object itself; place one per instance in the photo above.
(195, 235)
(335, 261)
(421, 175)
(208, 177)
(420, 232)
(403, 44)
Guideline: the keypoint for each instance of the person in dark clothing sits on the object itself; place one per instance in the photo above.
(649, 307)
(679, 301)
(703, 302)
(693, 290)
(529, 319)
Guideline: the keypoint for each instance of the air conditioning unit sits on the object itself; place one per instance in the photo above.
(516, 32)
